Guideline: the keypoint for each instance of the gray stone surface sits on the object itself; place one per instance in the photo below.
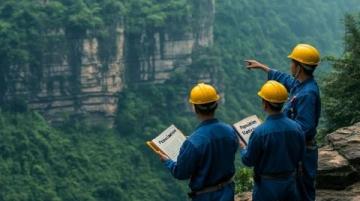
(243, 197)
(347, 141)
(351, 193)
(334, 171)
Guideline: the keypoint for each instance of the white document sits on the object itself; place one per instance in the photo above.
(170, 141)
(245, 127)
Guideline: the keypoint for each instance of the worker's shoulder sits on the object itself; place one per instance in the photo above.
(198, 137)
(223, 125)
(223, 129)
(282, 124)
(261, 129)
(291, 124)
(204, 134)
(215, 126)
(311, 87)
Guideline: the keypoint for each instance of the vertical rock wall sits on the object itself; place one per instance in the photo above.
(153, 55)
(75, 79)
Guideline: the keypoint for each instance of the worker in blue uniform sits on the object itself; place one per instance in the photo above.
(303, 106)
(207, 156)
(275, 149)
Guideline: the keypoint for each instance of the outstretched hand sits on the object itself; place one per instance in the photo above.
(253, 64)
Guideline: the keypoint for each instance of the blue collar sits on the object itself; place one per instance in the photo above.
(275, 116)
(311, 79)
(299, 85)
(308, 80)
(206, 122)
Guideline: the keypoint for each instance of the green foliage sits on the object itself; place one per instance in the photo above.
(206, 62)
(243, 180)
(81, 162)
(151, 15)
(341, 87)
(140, 103)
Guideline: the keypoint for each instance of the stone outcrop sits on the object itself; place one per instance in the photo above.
(346, 141)
(76, 79)
(243, 197)
(338, 167)
(351, 193)
(334, 171)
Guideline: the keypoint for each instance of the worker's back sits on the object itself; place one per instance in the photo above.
(282, 145)
(216, 144)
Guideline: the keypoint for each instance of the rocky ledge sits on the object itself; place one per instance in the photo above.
(338, 168)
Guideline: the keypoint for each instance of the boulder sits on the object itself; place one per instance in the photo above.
(339, 166)
(347, 142)
(351, 193)
(246, 196)
(334, 171)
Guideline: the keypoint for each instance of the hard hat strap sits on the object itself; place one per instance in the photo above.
(307, 67)
(298, 70)
(309, 70)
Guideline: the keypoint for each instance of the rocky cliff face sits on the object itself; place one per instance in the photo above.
(66, 88)
(154, 56)
(338, 167)
(83, 75)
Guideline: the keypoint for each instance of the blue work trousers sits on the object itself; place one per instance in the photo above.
(306, 182)
(224, 194)
(276, 190)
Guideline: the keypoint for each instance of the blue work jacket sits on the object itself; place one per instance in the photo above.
(207, 156)
(303, 104)
(276, 146)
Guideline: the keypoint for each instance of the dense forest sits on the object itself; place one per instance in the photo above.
(80, 160)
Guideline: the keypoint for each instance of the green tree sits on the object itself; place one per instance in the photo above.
(341, 87)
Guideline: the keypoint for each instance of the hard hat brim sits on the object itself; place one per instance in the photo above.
(303, 62)
(204, 102)
(269, 100)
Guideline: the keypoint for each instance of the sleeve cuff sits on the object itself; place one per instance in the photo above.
(271, 74)
(169, 163)
(243, 151)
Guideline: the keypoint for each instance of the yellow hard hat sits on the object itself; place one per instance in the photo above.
(305, 54)
(202, 94)
(274, 92)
